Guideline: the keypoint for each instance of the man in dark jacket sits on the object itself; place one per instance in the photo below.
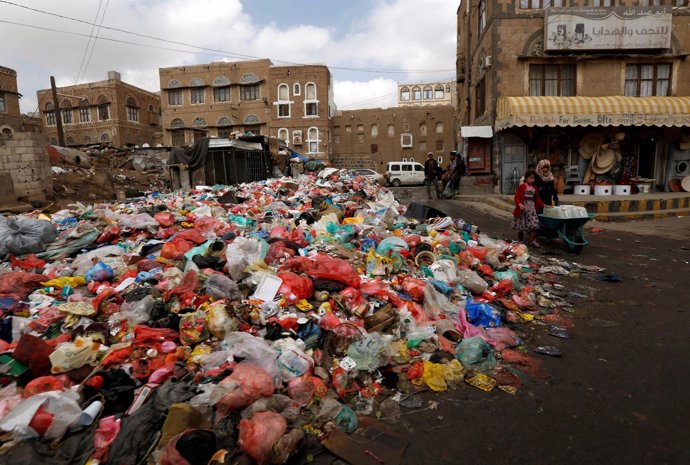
(430, 169)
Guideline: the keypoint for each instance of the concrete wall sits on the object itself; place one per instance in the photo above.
(24, 157)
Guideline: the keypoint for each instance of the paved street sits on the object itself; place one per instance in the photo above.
(619, 393)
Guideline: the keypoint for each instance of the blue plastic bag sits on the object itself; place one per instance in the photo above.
(482, 314)
(100, 272)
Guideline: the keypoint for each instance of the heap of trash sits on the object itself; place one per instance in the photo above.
(194, 327)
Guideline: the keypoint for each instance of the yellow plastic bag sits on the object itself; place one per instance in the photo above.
(433, 377)
(72, 281)
(453, 371)
(217, 319)
(78, 308)
(199, 351)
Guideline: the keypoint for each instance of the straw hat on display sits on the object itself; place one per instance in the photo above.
(685, 183)
(589, 144)
(604, 161)
(588, 174)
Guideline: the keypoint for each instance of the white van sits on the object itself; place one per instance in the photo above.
(404, 173)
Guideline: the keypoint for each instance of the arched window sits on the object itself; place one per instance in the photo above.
(283, 103)
(416, 93)
(53, 141)
(196, 82)
(199, 122)
(249, 78)
(84, 111)
(405, 94)
(69, 140)
(132, 110)
(313, 139)
(103, 108)
(196, 92)
(87, 139)
(438, 92)
(391, 130)
(50, 114)
(174, 84)
(177, 123)
(251, 119)
(50, 106)
(283, 92)
(428, 93)
(374, 130)
(283, 134)
(311, 103)
(67, 113)
(221, 81)
(296, 89)
(105, 137)
(224, 121)
(439, 127)
(422, 129)
(151, 108)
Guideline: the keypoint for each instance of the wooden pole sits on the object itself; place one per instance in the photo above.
(58, 114)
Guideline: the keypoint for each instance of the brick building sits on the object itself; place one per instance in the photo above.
(427, 93)
(10, 117)
(542, 79)
(292, 103)
(109, 111)
(370, 138)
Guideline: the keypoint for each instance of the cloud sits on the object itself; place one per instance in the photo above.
(400, 34)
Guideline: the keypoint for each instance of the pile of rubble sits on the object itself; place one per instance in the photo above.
(253, 320)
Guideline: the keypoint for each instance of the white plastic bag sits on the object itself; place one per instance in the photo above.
(63, 405)
(472, 281)
(241, 253)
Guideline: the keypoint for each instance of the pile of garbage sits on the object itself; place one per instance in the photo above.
(198, 326)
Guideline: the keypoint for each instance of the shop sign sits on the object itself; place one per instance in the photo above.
(609, 119)
(608, 28)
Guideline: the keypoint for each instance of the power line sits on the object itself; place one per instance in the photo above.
(370, 100)
(98, 31)
(88, 42)
(225, 52)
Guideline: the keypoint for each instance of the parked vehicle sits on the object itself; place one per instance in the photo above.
(404, 173)
(367, 173)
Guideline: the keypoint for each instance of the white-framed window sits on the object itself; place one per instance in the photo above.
(283, 103)
(105, 137)
(49, 111)
(412, 159)
(284, 135)
(537, 4)
(221, 94)
(405, 94)
(422, 129)
(391, 130)
(311, 104)
(313, 140)
(374, 130)
(84, 114)
(103, 108)
(438, 92)
(404, 159)
(174, 97)
(3, 106)
(132, 110)
(428, 93)
(66, 112)
(439, 127)
(196, 95)
(296, 89)
(440, 160)
(87, 139)
(416, 93)
(406, 140)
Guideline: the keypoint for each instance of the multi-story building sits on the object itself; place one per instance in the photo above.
(372, 137)
(109, 111)
(10, 117)
(292, 103)
(427, 93)
(549, 77)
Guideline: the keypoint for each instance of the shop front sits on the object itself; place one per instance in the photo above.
(642, 142)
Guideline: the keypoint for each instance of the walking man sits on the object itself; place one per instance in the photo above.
(430, 169)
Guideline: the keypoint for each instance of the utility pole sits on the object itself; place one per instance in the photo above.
(58, 114)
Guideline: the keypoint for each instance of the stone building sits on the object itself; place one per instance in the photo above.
(537, 78)
(427, 93)
(10, 117)
(109, 111)
(370, 138)
(292, 103)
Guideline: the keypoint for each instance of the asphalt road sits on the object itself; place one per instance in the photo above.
(620, 393)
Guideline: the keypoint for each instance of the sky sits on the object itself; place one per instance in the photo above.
(369, 45)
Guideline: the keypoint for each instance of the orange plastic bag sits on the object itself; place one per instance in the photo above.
(258, 435)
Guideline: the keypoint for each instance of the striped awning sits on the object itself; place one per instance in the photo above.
(592, 111)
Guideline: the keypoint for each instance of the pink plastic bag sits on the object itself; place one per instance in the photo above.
(107, 431)
(252, 383)
(301, 389)
(258, 435)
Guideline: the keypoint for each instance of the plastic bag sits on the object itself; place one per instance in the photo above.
(471, 281)
(292, 361)
(138, 221)
(100, 272)
(241, 253)
(59, 411)
(253, 350)
(301, 389)
(433, 376)
(72, 355)
(32, 262)
(394, 243)
(137, 312)
(367, 352)
(248, 383)
(278, 251)
(510, 274)
(295, 287)
(326, 267)
(218, 321)
(258, 435)
(165, 219)
(21, 236)
(193, 328)
(476, 354)
(19, 284)
(104, 436)
(482, 314)
(43, 384)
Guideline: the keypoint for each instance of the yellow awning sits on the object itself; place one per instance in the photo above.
(592, 111)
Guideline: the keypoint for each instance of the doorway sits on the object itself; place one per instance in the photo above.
(513, 162)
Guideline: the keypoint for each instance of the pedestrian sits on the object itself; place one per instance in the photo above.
(448, 176)
(546, 184)
(527, 202)
(430, 170)
(460, 171)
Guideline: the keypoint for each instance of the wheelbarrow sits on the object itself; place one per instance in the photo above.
(571, 230)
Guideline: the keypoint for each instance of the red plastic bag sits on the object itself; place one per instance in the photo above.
(19, 284)
(352, 297)
(480, 253)
(207, 224)
(301, 389)
(295, 287)
(32, 262)
(34, 352)
(414, 287)
(107, 431)
(326, 267)
(43, 384)
(145, 336)
(258, 435)
(41, 421)
(381, 290)
(415, 371)
(278, 251)
(188, 285)
(165, 219)
(175, 249)
(191, 235)
(253, 382)
(109, 234)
